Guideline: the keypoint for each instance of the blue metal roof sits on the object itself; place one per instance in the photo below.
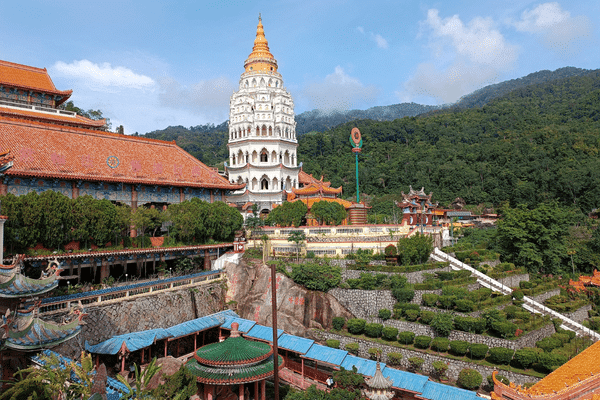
(200, 324)
(326, 354)
(245, 324)
(438, 391)
(405, 380)
(263, 333)
(294, 343)
(133, 341)
(363, 366)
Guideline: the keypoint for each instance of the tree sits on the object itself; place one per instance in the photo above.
(415, 249)
(141, 381)
(328, 212)
(288, 214)
(179, 386)
(298, 237)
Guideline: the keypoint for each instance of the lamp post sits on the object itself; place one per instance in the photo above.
(125, 278)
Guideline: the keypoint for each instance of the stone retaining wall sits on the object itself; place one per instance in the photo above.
(513, 281)
(364, 303)
(546, 295)
(454, 366)
(163, 310)
(579, 315)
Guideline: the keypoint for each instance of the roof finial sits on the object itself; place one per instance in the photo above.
(259, 18)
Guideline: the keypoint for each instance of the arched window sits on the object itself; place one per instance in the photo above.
(288, 183)
(270, 131)
(264, 184)
(240, 157)
(264, 156)
(257, 131)
(264, 130)
(275, 183)
(254, 184)
(286, 158)
(254, 156)
(273, 157)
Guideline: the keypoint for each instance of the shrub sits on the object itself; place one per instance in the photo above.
(352, 348)
(500, 355)
(422, 341)
(406, 337)
(511, 311)
(389, 333)
(440, 368)
(594, 323)
(464, 305)
(391, 250)
(526, 285)
(459, 347)
(440, 344)
(416, 363)
(427, 316)
(557, 323)
(478, 351)
(430, 299)
(518, 294)
(562, 337)
(394, 358)
(442, 324)
(548, 344)
(447, 302)
(492, 316)
(400, 309)
(525, 357)
(333, 343)
(373, 330)
(374, 353)
(316, 275)
(549, 361)
(501, 378)
(338, 323)
(411, 315)
(403, 295)
(480, 294)
(469, 379)
(524, 316)
(385, 314)
(356, 326)
(504, 328)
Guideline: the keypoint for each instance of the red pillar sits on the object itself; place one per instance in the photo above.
(206, 260)
(165, 347)
(256, 390)
(241, 393)
(262, 390)
(303, 369)
(97, 361)
(195, 338)
(142, 356)
(122, 362)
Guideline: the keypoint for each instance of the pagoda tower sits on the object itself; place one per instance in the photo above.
(262, 132)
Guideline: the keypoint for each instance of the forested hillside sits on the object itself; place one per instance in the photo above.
(537, 143)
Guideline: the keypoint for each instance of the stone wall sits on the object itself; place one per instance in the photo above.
(411, 277)
(163, 310)
(546, 295)
(364, 303)
(579, 315)
(454, 366)
(513, 281)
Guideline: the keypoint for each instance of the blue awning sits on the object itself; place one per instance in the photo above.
(326, 354)
(405, 380)
(363, 366)
(200, 324)
(293, 343)
(263, 333)
(133, 341)
(439, 391)
(245, 324)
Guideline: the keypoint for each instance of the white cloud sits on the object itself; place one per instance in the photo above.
(376, 37)
(209, 97)
(339, 91)
(465, 56)
(556, 27)
(102, 75)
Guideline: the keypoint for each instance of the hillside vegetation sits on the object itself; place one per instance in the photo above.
(534, 144)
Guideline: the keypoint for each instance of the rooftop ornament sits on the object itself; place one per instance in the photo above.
(356, 142)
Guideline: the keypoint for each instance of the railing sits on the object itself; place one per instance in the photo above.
(530, 304)
(53, 305)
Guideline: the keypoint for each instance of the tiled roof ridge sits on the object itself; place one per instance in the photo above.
(79, 119)
(79, 130)
(43, 71)
(23, 66)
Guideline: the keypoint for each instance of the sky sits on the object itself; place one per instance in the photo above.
(151, 64)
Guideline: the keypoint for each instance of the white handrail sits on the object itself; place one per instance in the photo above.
(530, 304)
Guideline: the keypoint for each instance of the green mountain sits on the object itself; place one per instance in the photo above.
(536, 143)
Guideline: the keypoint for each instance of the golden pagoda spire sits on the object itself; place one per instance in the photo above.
(261, 58)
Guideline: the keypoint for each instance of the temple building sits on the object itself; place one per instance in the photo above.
(417, 207)
(235, 368)
(262, 132)
(55, 149)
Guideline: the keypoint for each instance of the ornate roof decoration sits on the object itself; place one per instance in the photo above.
(415, 198)
(261, 58)
(316, 188)
(583, 281)
(412, 194)
(379, 385)
(13, 284)
(306, 179)
(25, 331)
(6, 161)
(232, 361)
(30, 79)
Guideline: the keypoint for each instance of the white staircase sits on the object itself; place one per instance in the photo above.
(529, 304)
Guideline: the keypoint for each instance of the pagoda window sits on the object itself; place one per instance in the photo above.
(240, 157)
(254, 184)
(253, 82)
(295, 185)
(276, 84)
(246, 83)
(232, 160)
(240, 180)
(257, 131)
(270, 131)
(264, 184)
(264, 157)
(278, 130)
(247, 159)
(271, 80)
(264, 130)
(293, 159)
(262, 82)
(275, 183)
(254, 156)
(288, 183)
(273, 157)
(286, 158)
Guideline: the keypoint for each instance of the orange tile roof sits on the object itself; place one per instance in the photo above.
(26, 77)
(316, 188)
(77, 120)
(306, 179)
(55, 151)
(312, 200)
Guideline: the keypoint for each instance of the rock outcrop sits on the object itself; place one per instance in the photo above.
(298, 309)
